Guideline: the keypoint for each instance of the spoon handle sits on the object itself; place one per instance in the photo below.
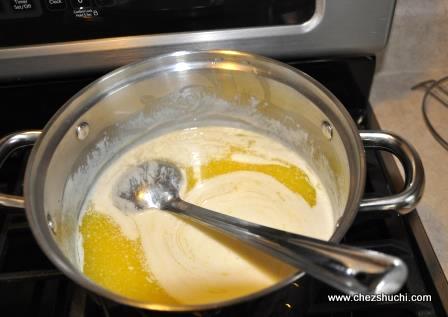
(349, 269)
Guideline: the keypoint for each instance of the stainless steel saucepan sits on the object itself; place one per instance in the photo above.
(186, 89)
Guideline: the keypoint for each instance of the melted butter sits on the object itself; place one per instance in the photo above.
(161, 259)
(289, 175)
(116, 262)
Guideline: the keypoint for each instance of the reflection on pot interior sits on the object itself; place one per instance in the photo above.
(158, 257)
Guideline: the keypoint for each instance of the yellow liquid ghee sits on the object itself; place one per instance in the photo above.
(117, 263)
(289, 175)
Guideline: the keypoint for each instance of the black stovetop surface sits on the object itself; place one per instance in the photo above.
(31, 286)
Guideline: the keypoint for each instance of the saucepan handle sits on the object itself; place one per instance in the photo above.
(407, 199)
(9, 144)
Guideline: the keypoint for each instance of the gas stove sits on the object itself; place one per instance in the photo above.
(31, 286)
(50, 49)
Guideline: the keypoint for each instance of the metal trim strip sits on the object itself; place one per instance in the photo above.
(336, 28)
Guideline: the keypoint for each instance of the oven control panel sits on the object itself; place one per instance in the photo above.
(24, 22)
(19, 9)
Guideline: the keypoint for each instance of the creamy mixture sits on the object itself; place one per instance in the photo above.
(159, 257)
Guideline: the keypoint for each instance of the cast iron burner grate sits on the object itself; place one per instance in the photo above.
(31, 286)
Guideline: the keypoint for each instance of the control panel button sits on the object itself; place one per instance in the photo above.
(105, 3)
(22, 5)
(18, 9)
(55, 5)
(76, 4)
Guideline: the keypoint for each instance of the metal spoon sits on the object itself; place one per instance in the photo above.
(156, 184)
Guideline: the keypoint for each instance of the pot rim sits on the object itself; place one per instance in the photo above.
(37, 217)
